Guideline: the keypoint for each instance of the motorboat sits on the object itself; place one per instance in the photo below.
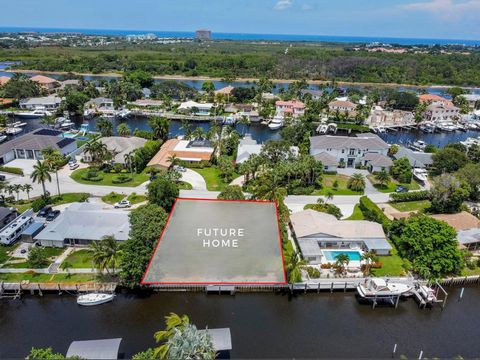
(447, 127)
(13, 131)
(470, 142)
(67, 124)
(473, 126)
(18, 124)
(32, 114)
(3, 138)
(420, 174)
(332, 127)
(94, 299)
(427, 128)
(427, 293)
(418, 145)
(123, 114)
(229, 120)
(322, 129)
(379, 288)
(276, 123)
(89, 113)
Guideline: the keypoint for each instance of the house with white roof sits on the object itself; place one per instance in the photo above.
(473, 99)
(200, 108)
(118, 147)
(317, 232)
(46, 103)
(82, 223)
(365, 149)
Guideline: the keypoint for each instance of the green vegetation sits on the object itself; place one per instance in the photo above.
(391, 186)
(336, 184)
(47, 278)
(67, 198)
(4, 250)
(163, 192)
(11, 170)
(411, 205)
(373, 213)
(182, 185)
(357, 214)
(212, 176)
(112, 198)
(80, 259)
(324, 207)
(229, 59)
(392, 265)
(37, 258)
(107, 179)
(231, 192)
(136, 198)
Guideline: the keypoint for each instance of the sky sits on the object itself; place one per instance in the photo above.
(438, 19)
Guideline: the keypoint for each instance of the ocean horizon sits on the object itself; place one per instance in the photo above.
(251, 36)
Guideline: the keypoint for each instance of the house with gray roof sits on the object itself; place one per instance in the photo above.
(316, 231)
(30, 146)
(46, 102)
(82, 223)
(365, 149)
(119, 147)
(417, 159)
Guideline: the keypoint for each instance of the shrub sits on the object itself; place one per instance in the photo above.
(410, 196)
(121, 179)
(326, 266)
(302, 190)
(373, 213)
(11, 170)
(92, 175)
(37, 204)
(314, 273)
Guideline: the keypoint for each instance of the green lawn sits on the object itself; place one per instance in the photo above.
(357, 214)
(113, 198)
(392, 185)
(212, 178)
(66, 198)
(50, 252)
(4, 250)
(47, 278)
(185, 186)
(391, 265)
(80, 259)
(411, 205)
(137, 180)
(342, 189)
(136, 198)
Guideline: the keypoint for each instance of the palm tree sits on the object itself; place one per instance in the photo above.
(174, 322)
(198, 133)
(294, 267)
(66, 266)
(356, 182)
(106, 254)
(383, 178)
(54, 159)
(123, 130)
(329, 195)
(129, 157)
(105, 127)
(10, 189)
(173, 159)
(27, 188)
(369, 257)
(160, 127)
(17, 188)
(342, 261)
(41, 174)
(48, 120)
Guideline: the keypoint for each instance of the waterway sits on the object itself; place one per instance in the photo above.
(263, 325)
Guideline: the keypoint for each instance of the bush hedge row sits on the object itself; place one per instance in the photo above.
(11, 170)
(410, 196)
(373, 213)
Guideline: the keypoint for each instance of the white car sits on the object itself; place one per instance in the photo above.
(122, 204)
(179, 168)
(73, 166)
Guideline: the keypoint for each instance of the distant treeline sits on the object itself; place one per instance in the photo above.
(276, 61)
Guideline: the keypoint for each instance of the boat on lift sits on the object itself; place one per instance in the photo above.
(89, 113)
(123, 114)
(322, 129)
(418, 145)
(18, 124)
(332, 127)
(276, 123)
(379, 288)
(94, 299)
(13, 130)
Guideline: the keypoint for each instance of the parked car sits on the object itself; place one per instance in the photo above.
(2, 178)
(72, 161)
(401, 189)
(52, 215)
(74, 166)
(44, 211)
(122, 204)
(23, 251)
(179, 168)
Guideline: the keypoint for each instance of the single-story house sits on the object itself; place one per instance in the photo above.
(351, 150)
(201, 108)
(119, 147)
(315, 94)
(185, 150)
(70, 82)
(30, 146)
(316, 231)
(461, 221)
(342, 106)
(247, 147)
(47, 103)
(147, 102)
(82, 223)
(469, 239)
(33, 230)
(104, 349)
(45, 81)
(417, 159)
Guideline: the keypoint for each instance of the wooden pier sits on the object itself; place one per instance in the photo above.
(14, 290)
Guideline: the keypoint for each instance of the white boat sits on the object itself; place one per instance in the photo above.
(67, 124)
(13, 131)
(123, 114)
(89, 113)
(94, 299)
(3, 138)
(427, 128)
(18, 124)
(32, 114)
(420, 174)
(276, 123)
(322, 129)
(379, 288)
(229, 120)
(427, 293)
(473, 126)
(418, 145)
(332, 127)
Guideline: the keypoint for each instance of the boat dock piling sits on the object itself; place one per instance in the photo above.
(14, 290)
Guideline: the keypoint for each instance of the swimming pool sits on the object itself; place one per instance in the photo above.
(331, 255)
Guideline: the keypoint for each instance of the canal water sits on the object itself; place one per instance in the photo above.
(263, 325)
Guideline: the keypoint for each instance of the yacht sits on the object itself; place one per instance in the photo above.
(447, 127)
(427, 128)
(123, 114)
(418, 145)
(32, 114)
(94, 299)
(420, 174)
(13, 131)
(67, 124)
(378, 288)
(473, 126)
(229, 120)
(332, 127)
(276, 123)
(322, 129)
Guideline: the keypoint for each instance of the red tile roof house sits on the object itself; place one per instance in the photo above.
(45, 82)
(294, 107)
(434, 99)
(342, 105)
(4, 80)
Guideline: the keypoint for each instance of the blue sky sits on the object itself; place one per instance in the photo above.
(450, 19)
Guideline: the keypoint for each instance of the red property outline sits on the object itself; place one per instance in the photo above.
(217, 283)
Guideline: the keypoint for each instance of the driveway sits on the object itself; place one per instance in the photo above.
(369, 188)
(195, 179)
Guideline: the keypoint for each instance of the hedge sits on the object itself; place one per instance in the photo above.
(11, 170)
(410, 196)
(373, 213)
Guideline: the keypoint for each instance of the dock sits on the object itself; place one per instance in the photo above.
(15, 290)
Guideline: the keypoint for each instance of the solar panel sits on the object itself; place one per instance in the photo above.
(47, 132)
(64, 142)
